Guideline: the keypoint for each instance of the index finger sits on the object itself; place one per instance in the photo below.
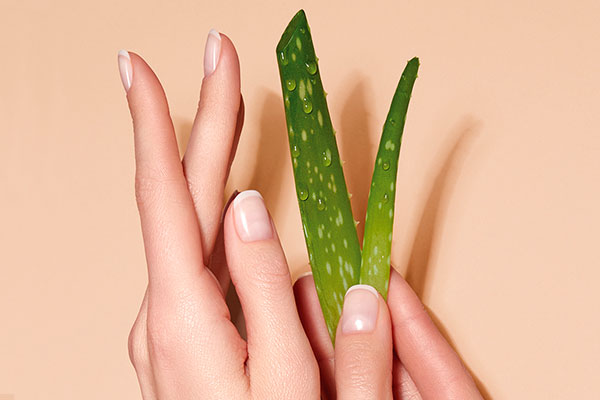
(169, 225)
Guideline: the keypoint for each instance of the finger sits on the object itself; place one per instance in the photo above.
(363, 346)
(434, 366)
(138, 352)
(280, 360)
(218, 261)
(190, 337)
(169, 226)
(209, 150)
(313, 322)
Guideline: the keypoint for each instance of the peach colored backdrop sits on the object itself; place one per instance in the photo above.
(497, 222)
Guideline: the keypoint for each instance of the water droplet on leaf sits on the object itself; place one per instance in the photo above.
(320, 204)
(302, 192)
(327, 158)
(283, 58)
(307, 106)
(386, 165)
(386, 198)
(295, 151)
(311, 67)
(290, 84)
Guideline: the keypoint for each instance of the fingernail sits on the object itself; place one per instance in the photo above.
(252, 221)
(361, 305)
(125, 69)
(212, 51)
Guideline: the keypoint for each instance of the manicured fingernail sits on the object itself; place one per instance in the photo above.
(252, 221)
(212, 51)
(125, 69)
(361, 305)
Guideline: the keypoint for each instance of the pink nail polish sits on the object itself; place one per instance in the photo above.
(125, 69)
(251, 219)
(361, 306)
(212, 51)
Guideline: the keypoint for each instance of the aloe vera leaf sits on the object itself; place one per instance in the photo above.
(329, 229)
(379, 221)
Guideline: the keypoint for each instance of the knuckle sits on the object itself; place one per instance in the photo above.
(174, 327)
(309, 371)
(162, 339)
(151, 183)
(270, 274)
(290, 372)
(357, 361)
(138, 354)
(301, 365)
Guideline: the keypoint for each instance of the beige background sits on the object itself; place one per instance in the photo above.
(497, 222)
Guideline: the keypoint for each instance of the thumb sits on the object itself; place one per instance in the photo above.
(363, 347)
(280, 360)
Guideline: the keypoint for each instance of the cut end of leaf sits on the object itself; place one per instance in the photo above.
(330, 235)
(296, 22)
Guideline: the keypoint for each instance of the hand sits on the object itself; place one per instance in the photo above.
(391, 351)
(183, 344)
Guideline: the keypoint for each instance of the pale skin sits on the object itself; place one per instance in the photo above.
(183, 344)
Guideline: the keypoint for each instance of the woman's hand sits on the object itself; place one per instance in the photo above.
(183, 344)
(383, 351)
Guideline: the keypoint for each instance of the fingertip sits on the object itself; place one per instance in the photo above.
(402, 299)
(228, 46)
(220, 57)
(364, 311)
(363, 346)
(251, 218)
(125, 69)
(251, 241)
(144, 91)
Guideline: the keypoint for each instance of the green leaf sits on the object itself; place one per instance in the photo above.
(379, 222)
(329, 230)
